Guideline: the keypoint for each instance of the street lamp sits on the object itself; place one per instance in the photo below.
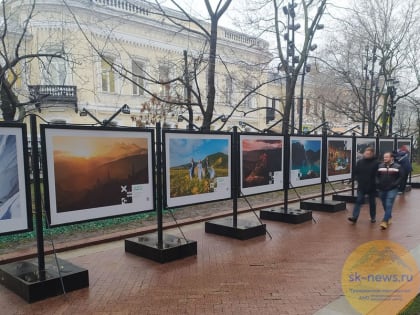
(392, 92)
(306, 69)
(84, 112)
(244, 124)
(289, 10)
(183, 118)
(125, 109)
(324, 124)
(372, 106)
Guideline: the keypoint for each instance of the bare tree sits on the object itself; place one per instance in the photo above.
(377, 43)
(198, 63)
(278, 19)
(14, 33)
(214, 13)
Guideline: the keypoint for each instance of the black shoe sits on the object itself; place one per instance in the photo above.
(352, 219)
(372, 220)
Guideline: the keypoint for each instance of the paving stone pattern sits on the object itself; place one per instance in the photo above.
(297, 272)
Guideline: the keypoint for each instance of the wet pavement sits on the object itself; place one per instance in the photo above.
(296, 272)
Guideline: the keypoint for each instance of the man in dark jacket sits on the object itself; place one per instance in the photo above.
(365, 174)
(403, 158)
(388, 179)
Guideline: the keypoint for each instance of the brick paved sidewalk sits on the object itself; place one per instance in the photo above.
(297, 272)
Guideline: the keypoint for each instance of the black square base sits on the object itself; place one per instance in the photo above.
(345, 198)
(173, 247)
(407, 188)
(326, 205)
(243, 230)
(22, 278)
(415, 185)
(294, 216)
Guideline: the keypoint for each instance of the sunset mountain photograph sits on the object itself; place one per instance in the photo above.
(89, 171)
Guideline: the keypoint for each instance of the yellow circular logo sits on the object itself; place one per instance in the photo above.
(380, 277)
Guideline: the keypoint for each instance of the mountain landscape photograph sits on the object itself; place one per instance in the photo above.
(89, 171)
(306, 157)
(260, 159)
(195, 165)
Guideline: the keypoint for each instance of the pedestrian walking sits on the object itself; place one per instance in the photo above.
(403, 158)
(388, 179)
(365, 175)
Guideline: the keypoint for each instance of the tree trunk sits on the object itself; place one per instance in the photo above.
(211, 93)
(290, 94)
(8, 100)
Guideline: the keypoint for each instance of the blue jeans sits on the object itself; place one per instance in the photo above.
(360, 200)
(388, 198)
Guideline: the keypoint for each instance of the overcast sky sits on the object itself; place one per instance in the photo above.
(197, 8)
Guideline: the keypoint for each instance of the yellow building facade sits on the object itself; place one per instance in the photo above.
(116, 52)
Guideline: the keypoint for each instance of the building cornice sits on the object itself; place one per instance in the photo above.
(227, 38)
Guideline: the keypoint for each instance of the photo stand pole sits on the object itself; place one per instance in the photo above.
(232, 226)
(284, 214)
(157, 246)
(43, 277)
(321, 204)
(350, 198)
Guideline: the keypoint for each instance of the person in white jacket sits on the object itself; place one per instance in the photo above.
(9, 182)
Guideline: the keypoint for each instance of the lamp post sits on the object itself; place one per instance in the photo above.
(392, 92)
(306, 69)
(372, 107)
(365, 69)
(292, 59)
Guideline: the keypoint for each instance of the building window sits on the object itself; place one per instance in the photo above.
(54, 71)
(250, 99)
(107, 75)
(165, 88)
(228, 90)
(137, 69)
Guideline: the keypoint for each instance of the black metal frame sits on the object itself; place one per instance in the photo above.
(29, 221)
(165, 159)
(96, 129)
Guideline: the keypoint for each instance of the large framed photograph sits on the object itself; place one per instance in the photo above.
(339, 158)
(93, 173)
(385, 145)
(15, 193)
(361, 145)
(305, 161)
(261, 163)
(197, 167)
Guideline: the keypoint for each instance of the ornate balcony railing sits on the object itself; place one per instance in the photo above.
(54, 94)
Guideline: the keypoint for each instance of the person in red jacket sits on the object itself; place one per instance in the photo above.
(388, 179)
